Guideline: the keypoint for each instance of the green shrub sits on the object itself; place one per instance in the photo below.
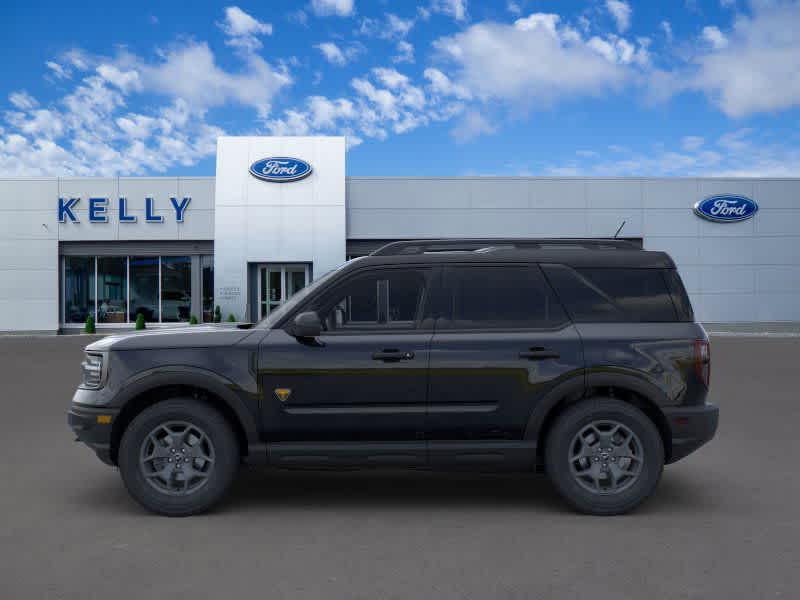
(89, 327)
(231, 319)
(217, 314)
(192, 320)
(140, 324)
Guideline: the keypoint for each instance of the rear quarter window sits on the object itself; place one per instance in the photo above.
(610, 295)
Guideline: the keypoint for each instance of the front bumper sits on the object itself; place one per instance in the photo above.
(692, 426)
(94, 432)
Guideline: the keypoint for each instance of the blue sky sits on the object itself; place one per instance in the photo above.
(436, 87)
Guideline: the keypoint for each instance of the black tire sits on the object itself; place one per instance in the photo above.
(563, 439)
(220, 472)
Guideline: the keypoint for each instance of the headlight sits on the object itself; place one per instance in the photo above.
(94, 370)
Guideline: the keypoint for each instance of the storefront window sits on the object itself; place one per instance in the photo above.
(78, 288)
(207, 266)
(112, 289)
(144, 288)
(176, 288)
(116, 289)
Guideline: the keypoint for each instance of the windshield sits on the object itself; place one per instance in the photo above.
(278, 313)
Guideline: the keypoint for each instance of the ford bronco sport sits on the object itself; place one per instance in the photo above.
(581, 358)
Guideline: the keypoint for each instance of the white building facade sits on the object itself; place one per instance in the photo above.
(281, 211)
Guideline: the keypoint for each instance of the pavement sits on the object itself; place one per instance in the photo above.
(724, 522)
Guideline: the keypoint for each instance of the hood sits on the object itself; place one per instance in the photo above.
(195, 336)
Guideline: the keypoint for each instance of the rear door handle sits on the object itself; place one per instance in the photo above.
(538, 353)
(392, 355)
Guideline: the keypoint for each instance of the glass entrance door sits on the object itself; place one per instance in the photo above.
(278, 283)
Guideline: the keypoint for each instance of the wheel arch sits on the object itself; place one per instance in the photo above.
(623, 386)
(151, 387)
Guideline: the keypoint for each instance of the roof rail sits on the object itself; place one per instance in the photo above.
(489, 244)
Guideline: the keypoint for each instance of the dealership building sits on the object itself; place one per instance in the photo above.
(280, 211)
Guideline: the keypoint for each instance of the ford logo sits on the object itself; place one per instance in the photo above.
(726, 209)
(280, 169)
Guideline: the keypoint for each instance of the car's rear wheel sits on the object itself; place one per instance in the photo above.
(178, 457)
(604, 456)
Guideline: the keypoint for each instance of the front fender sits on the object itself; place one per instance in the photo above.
(169, 375)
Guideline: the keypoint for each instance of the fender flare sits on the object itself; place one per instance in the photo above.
(579, 386)
(574, 385)
(221, 387)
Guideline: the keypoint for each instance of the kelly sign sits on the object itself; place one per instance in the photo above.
(98, 210)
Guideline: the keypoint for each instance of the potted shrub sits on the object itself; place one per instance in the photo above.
(140, 324)
(217, 314)
(231, 318)
(192, 320)
(89, 327)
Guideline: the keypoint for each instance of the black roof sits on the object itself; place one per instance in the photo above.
(573, 252)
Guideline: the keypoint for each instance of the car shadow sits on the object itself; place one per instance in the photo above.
(389, 490)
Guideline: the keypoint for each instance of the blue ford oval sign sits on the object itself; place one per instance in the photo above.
(726, 209)
(280, 169)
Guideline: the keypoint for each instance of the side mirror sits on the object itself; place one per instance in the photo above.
(307, 325)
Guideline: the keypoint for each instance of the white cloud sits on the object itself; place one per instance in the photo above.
(514, 8)
(391, 27)
(336, 55)
(621, 11)
(22, 100)
(735, 154)
(692, 143)
(727, 3)
(405, 52)
(472, 124)
(91, 131)
(397, 26)
(243, 29)
(619, 50)
(57, 70)
(453, 8)
(339, 8)
(537, 60)
(391, 78)
(127, 80)
(298, 17)
(441, 84)
(758, 70)
(666, 27)
(191, 72)
(385, 101)
(715, 37)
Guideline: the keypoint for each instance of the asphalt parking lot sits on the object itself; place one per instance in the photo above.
(724, 523)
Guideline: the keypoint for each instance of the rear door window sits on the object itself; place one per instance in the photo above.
(613, 294)
(499, 297)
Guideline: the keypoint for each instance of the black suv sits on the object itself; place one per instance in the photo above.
(578, 357)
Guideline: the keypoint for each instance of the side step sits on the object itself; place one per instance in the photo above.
(493, 454)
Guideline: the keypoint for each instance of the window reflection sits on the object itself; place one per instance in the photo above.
(176, 288)
(207, 266)
(144, 288)
(112, 290)
(78, 288)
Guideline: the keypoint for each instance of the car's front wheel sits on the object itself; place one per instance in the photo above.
(604, 456)
(178, 457)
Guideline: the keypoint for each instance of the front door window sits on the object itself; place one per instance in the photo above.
(278, 283)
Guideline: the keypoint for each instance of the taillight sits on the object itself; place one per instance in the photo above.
(702, 361)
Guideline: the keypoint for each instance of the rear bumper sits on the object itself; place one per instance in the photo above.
(692, 426)
(83, 420)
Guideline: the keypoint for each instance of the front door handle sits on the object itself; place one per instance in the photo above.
(392, 355)
(538, 353)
